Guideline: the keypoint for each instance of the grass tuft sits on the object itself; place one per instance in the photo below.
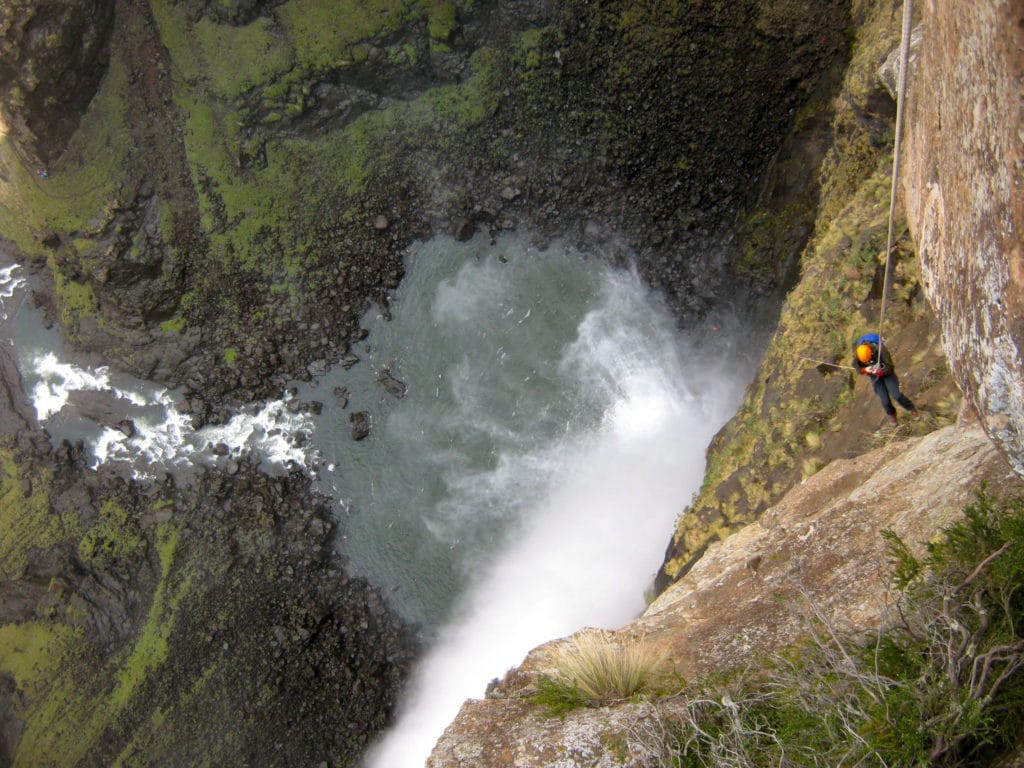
(599, 668)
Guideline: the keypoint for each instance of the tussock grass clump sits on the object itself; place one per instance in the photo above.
(599, 668)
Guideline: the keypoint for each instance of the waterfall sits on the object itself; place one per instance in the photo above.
(538, 423)
(525, 487)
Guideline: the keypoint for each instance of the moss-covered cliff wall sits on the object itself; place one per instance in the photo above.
(805, 407)
(248, 171)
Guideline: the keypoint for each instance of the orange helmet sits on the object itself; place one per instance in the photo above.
(865, 353)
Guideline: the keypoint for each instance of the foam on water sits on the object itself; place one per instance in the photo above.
(162, 436)
(55, 380)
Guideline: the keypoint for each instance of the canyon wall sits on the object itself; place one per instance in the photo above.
(964, 191)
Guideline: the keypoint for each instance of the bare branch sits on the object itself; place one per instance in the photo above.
(983, 565)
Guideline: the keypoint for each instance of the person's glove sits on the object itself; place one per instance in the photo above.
(863, 371)
(878, 371)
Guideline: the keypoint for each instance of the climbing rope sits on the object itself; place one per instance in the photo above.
(901, 91)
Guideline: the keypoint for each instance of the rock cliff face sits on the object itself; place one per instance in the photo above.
(224, 192)
(964, 187)
(756, 535)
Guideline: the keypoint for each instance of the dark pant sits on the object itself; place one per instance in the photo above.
(888, 387)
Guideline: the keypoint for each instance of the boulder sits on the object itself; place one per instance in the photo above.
(360, 425)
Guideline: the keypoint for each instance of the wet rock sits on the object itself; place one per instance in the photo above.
(318, 368)
(394, 387)
(348, 360)
(341, 395)
(103, 409)
(463, 229)
(220, 449)
(381, 223)
(359, 423)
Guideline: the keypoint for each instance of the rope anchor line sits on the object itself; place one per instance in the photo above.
(901, 94)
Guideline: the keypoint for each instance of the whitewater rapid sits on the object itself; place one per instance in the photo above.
(161, 436)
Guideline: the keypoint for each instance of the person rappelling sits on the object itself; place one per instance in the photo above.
(868, 361)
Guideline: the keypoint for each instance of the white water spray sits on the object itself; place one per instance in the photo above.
(584, 553)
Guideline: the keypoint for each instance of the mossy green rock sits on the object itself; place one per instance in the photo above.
(248, 147)
(206, 625)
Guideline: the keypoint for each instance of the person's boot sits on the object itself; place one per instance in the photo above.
(892, 418)
(915, 413)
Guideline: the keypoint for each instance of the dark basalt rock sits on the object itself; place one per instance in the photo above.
(360, 425)
(393, 386)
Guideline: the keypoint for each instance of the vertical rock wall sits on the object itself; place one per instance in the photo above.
(964, 193)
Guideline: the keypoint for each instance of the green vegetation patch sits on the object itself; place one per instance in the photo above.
(151, 646)
(25, 521)
(86, 177)
(75, 301)
(113, 537)
(178, 38)
(442, 19)
(324, 32)
(239, 58)
(33, 652)
(66, 721)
